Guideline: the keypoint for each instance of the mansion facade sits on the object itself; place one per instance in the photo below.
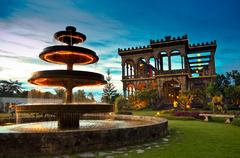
(171, 65)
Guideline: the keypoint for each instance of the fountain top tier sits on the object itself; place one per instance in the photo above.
(69, 54)
(70, 36)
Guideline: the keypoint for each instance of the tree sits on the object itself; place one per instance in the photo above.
(184, 100)
(234, 76)
(213, 89)
(10, 88)
(144, 98)
(80, 96)
(109, 91)
(91, 97)
(60, 93)
(232, 94)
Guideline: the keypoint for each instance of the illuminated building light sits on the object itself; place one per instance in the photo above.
(199, 60)
(198, 54)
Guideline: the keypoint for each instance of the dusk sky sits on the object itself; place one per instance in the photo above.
(27, 27)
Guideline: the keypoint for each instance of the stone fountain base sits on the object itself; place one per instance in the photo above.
(72, 141)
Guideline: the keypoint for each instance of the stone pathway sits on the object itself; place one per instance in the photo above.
(160, 144)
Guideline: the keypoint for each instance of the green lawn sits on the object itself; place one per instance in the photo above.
(196, 139)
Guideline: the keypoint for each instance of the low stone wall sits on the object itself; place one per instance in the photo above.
(61, 142)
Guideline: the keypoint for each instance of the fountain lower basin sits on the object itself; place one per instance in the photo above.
(97, 131)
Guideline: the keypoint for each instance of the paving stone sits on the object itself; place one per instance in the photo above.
(103, 154)
(110, 156)
(117, 152)
(120, 149)
(140, 151)
(157, 146)
(66, 156)
(149, 148)
(165, 139)
(146, 144)
(126, 154)
(87, 154)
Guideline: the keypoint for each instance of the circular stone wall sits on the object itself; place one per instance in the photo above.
(70, 141)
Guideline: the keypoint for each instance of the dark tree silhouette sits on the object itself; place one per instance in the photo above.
(109, 91)
(10, 88)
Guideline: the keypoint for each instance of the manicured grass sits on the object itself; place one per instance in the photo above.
(196, 139)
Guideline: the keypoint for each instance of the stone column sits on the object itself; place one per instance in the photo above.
(213, 70)
(169, 62)
(124, 90)
(123, 70)
(182, 62)
(147, 67)
(131, 71)
(135, 71)
(127, 70)
(161, 63)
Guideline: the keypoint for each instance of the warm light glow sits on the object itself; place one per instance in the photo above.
(198, 54)
(197, 71)
(158, 113)
(199, 60)
(47, 57)
(71, 36)
(40, 81)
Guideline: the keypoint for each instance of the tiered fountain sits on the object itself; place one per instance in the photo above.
(64, 134)
(67, 114)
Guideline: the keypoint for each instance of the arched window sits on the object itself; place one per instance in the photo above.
(141, 68)
(129, 69)
(164, 59)
(176, 60)
(152, 67)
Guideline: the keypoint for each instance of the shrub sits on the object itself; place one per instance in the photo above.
(137, 103)
(120, 103)
(236, 121)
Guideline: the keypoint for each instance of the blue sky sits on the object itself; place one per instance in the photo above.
(27, 26)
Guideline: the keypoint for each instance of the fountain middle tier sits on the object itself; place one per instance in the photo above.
(62, 54)
(65, 78)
